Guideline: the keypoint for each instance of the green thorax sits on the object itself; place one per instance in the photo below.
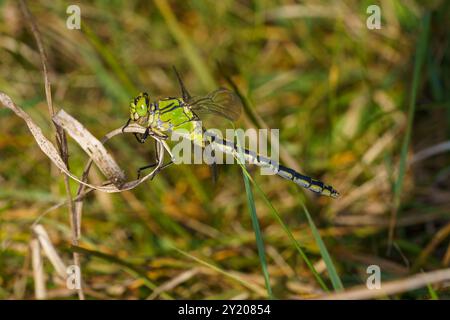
(172, 114)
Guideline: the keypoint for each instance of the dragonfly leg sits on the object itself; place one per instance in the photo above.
(160, 136)
(145, 167)
(213, 166)
(157, 161)
(163, 146)
(126, 125)
(161, 168)
(142, 137)
(151, 166)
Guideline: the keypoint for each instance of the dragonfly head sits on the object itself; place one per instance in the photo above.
(139, 106)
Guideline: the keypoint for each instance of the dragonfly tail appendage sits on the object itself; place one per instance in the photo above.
(251, 157)
(309, 183)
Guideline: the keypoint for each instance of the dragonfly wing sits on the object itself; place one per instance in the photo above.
(222, 102)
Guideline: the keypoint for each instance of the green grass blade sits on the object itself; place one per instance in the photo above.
(110, 59)
(255, 223)
(418, 62)
(277, 217)
(432, 292)
(188, 48)
(334, 277)
(259, 240)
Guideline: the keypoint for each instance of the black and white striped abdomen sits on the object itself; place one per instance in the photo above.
(307, 182)
(251, 157)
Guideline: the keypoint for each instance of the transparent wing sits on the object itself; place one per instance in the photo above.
(222, 102)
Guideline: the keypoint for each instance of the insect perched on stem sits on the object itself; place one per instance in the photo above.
(162, 117)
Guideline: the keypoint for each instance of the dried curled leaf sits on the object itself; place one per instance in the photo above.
(97, 154)
(46, 146)
(94, 148)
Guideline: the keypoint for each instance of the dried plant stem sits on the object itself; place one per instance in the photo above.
(38, 272)
(393, 287)
(59, 132)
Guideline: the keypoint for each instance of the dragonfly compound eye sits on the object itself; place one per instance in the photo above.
(142, 105)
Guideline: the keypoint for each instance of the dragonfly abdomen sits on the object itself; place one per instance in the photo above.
(251, 157)
(307, 182)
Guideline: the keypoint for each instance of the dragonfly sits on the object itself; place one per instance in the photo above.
(162, 117)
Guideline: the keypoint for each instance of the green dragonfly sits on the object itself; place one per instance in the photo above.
(162, 117)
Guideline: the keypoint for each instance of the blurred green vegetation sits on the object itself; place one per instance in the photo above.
(339, 93)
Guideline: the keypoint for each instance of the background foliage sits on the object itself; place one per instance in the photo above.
(340, 94)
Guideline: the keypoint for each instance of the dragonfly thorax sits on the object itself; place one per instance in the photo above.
(164, 115)
(171, 113)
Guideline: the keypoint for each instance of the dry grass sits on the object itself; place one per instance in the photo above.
(338, 92)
